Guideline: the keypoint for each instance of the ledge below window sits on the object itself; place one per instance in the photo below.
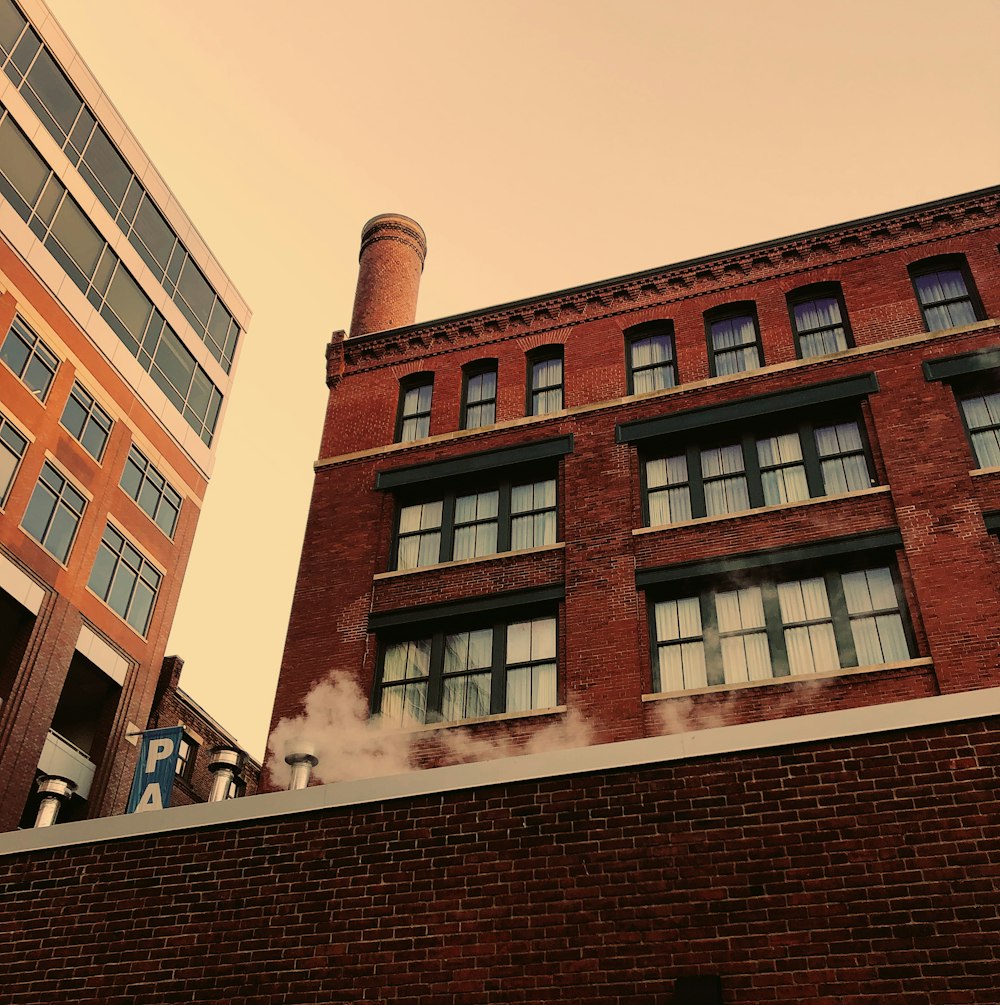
(530, 713)
(792, 679)
(697, 521)
(469, 561)
(981, 472)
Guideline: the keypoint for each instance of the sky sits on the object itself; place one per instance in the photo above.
(541, 144)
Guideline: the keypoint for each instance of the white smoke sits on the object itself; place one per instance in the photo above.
(335, 726)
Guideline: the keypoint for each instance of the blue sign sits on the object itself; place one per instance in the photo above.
(154, 771)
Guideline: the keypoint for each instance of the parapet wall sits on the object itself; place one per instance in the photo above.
(842, 870)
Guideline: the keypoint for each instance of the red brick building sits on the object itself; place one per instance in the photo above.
(710, 549)
(194, 777)
(119, 334)
(754, 485)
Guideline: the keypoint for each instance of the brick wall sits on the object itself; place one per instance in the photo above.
(841, 872)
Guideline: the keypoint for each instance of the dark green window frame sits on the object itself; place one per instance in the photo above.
(482, 410)
(546, 393)
(889, 624)
(839, 329)
(716, 321)
(413, 416)
(952, 303)
(423, 691)
(509, 510)
(692, 447)
(660, 369)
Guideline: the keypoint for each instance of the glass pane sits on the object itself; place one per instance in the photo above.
(108, 166)
(61, 100)
(429, 548)
(24, 169)
(142, 606)
(94, 439)
(726, 495)
(196, 291)
(155, 233)
(518, 689)
(543, 639)
(40, 507)
(38, 375)
(74, 416)
(519, 642)
(544, 686)
(11, 23)
(174, 361)
(129, 303)
(104, 567)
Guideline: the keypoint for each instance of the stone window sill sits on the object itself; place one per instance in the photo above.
(469, 561)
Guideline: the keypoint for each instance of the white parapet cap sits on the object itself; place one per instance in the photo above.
(870, 720)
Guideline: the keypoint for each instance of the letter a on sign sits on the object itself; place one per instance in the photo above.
(153, 782)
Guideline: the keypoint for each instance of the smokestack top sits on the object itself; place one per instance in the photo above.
(391, 261)
(394, 227)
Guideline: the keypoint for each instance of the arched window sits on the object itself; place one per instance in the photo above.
(545, 380)
(945, 292)
(650, 360)
(733, 339)
(819, 320)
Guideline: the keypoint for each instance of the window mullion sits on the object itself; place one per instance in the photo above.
(715, 674)
(751, 467)
(447, 527)
(503, 516)
(775, 629)
(841, 620)
(435, 685)
(810, 460)
(696, 485)
(498, 675)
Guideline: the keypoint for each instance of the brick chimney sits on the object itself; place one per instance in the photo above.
(393, 248)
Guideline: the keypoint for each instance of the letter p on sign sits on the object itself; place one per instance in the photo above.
(153, 781)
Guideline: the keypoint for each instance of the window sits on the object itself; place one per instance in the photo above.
(124, 580)
(465, 674)
(509, 516)
(414, 421)
(819, 320)
(187, 750)
(649, 354)
(12, 447)
(30, 359)
(156, 497)
(981, 414)
(545, 380)
(741, 471)
(733, 339)
(87, 421)
(946, 293)
(777, 626)
(54, 513)
(61, 225)
(479, 395)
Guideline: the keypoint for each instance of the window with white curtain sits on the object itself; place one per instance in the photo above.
(512, 515)
(819, 320)
(449, 676)
(651, 363)
(747, 469)
(946, 292)
(981, 414)
(779, 626)
(545, 380)
(734, 344)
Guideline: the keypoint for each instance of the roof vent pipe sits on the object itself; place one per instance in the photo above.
(301, 761)
(226, 764)
(54, 790)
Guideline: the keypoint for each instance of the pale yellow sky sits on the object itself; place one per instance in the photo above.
(540, 144)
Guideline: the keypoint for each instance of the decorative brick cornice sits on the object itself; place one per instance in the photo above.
(669, 284)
